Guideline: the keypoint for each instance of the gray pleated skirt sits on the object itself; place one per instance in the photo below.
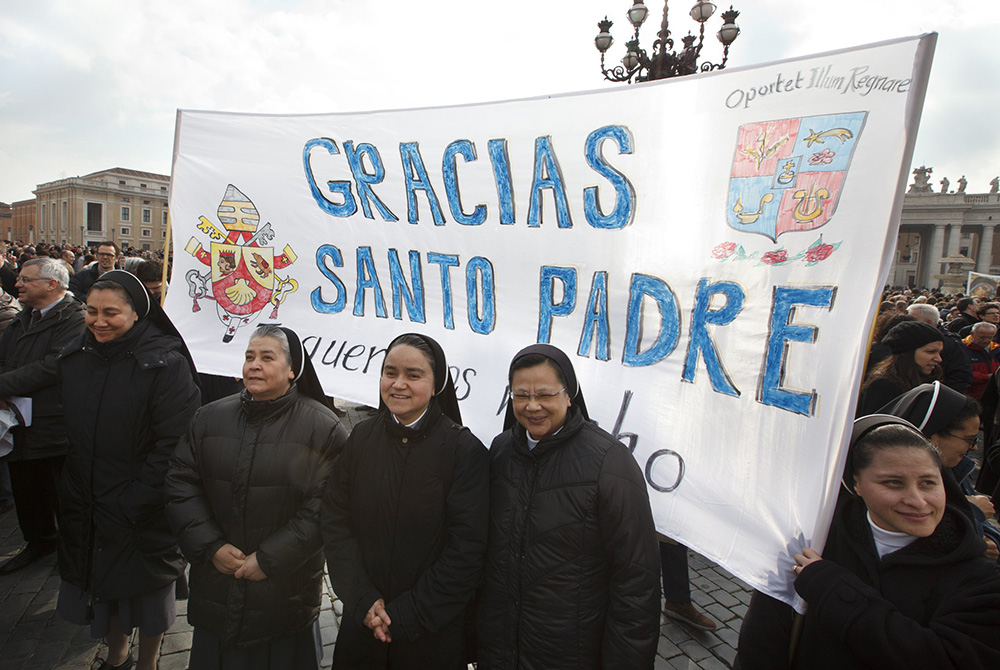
(152, 613)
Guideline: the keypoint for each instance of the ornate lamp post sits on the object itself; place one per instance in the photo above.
(639, 66)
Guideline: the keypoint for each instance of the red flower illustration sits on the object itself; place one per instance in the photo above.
(818, 253)
(724, 250)
(775, 257)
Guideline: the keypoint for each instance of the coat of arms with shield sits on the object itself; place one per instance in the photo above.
(788, 174)
(243, 268)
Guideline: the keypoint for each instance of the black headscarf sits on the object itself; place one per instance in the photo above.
(565, 366)
(929, 407)
(306, 379)
(444, 386)
(146, 308)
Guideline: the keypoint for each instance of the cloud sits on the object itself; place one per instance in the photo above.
(88, 84)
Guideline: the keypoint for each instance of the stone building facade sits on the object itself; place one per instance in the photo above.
(935, 225)
(127, 206)
(22, 222)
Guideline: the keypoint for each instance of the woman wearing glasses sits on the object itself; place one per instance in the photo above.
(404, 520)
(950, 420)
(572, 572)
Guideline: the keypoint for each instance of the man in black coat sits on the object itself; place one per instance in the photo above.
(967, 315)
(107, 255)
(50, 320)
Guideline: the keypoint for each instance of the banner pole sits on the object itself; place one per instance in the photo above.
(167, 245)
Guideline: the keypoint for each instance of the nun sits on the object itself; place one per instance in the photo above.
(404, 520)
(129, 391)
(244, 491)
(572, 569)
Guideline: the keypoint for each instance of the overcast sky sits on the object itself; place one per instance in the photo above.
(93, 84)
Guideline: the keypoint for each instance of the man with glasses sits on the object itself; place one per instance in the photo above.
(984, 354)
(988, 312)
(108, 255)
(51, 319)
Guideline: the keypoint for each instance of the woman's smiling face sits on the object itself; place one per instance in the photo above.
(903, 491)
(407, 383)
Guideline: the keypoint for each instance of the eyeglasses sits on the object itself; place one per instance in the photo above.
(970, 440)
(25, 280)
(522, 398)
(105, 255)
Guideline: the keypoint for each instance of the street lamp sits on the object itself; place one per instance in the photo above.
(639, 66)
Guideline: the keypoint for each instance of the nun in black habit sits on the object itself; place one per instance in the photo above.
(128, 390)
(404, 520)
(572, 571)
(244, 492)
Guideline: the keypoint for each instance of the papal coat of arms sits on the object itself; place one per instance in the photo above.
(788, 174)
(243, 269)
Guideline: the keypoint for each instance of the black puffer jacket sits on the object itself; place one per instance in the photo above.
(28, 368)
(572, 571)
(404, 519)
(251, 474)
(934, 604)
(128, 401)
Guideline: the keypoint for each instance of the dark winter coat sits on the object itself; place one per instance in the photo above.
(572, 572)
(81, 281)
(404, 520)
(128, 402)
(879, 393)
(9, 309)
(961, 321)
(956, 368)
(28, 368)
(934, 604)
(251, 474)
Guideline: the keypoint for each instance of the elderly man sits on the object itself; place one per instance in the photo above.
(107, 256)
(51, 319)
(984, 354)
(954, 358)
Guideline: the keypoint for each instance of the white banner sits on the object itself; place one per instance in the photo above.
(709, 250)
(982, 285)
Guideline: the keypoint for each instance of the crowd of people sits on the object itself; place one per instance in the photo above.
(537, 553)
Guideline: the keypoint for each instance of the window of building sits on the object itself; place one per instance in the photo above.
(121, 182)
(126, 211)
(62, 220)
(146, 232)
(164, 218)
(145, 247)
(145, 202)
(125, 231)
(147, 216)
(95, 217)
(142, 186)
(125, 199)
(41, 227)
(163, 188)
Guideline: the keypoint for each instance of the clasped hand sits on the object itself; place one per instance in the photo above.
(378, 621)
(231, 561)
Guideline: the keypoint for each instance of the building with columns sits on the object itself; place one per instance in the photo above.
(126, 206)
(935, 225)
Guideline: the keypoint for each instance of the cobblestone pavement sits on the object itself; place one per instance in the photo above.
(32, 637)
